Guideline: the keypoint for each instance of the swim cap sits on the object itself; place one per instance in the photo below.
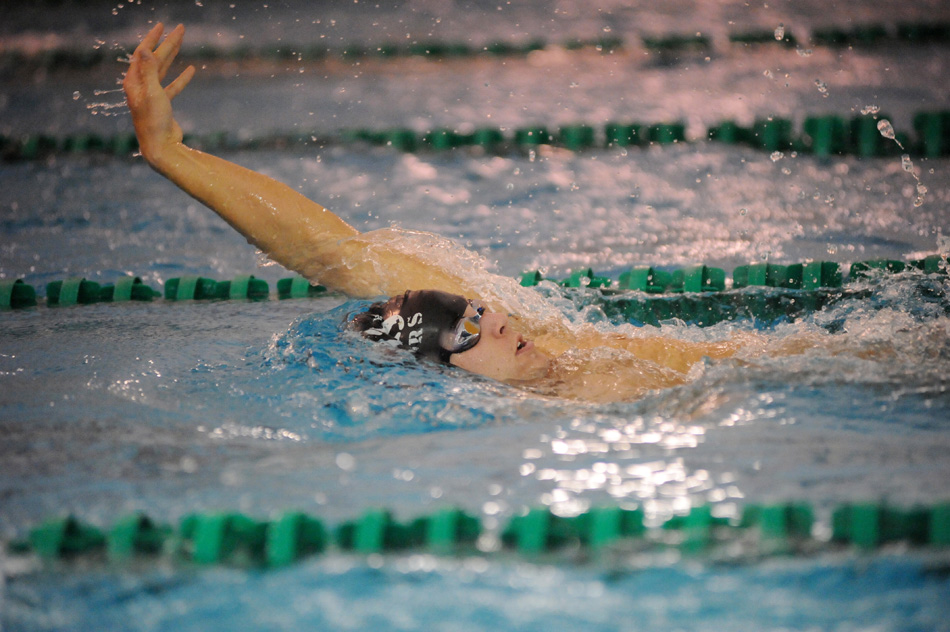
(418, 320)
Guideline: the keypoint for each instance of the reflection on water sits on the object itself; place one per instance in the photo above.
(643, 461)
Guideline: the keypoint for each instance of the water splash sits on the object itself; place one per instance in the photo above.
(943, 243)
(887, 131)
(780, 32)
(822, 87)
(106, 108)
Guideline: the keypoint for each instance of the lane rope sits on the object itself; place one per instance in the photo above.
(233, 538)
(864, 136)
(645, 295)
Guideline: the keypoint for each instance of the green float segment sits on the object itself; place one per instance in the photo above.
(15, 294)
(868, 525)
(79, 291)
(810, 275)
(377, 531)
(831, 135)
(197, 288)
(933, 132)
(298, 287)
(237, 539)
(763, 37)
(821, 136)
(136, 535)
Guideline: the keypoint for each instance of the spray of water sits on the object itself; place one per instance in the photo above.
(887, 131)
(110, 107)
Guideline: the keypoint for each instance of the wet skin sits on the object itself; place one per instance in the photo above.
(502, 353)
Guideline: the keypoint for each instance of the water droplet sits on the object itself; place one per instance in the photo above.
(743, 211)
(822, 87)
(345, 461)
(832, 249)
(870, 109)
(887, 130)
(780, 32)
(907, 163)
(574, 84)
(777, 155)
(76, 95)
(805, 52)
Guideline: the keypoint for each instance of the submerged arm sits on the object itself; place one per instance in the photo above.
(286, 225)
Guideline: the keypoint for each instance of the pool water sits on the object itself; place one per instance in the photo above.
(263, 407)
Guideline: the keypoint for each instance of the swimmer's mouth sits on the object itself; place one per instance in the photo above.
(523, 345)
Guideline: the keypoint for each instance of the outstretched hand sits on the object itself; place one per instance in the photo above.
(150, 103)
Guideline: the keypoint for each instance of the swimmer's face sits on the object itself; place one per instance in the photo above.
(501, 352)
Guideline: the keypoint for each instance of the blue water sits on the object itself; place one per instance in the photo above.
(263, 407)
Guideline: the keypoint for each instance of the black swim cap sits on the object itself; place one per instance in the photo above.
(415, 320)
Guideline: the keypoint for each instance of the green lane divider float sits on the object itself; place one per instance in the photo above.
(861, 35)
(298, 287)
(827, 135)
(188, 288)
(15, 294)
(79, 291)
(697, 294)
(239, 540)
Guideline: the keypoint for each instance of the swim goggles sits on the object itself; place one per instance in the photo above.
(466, 333)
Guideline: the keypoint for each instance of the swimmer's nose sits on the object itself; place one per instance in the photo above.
(494, 324)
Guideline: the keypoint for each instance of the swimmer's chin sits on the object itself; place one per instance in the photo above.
(540, 369)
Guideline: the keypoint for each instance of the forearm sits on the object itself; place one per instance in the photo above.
(283, 223)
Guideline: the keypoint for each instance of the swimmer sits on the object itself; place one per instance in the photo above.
(441, 309)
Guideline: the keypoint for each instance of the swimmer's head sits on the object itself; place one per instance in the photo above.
(454, 330)
(429, 323)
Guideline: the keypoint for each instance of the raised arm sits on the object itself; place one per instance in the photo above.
(290, 228)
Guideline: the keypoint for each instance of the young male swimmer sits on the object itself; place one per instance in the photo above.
(441, 306)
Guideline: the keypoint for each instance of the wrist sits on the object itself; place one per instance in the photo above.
(164, 157)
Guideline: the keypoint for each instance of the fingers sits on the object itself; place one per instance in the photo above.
(151, 61)
(175, 87)
(151, 39)
(163, 53)
(168, 49)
